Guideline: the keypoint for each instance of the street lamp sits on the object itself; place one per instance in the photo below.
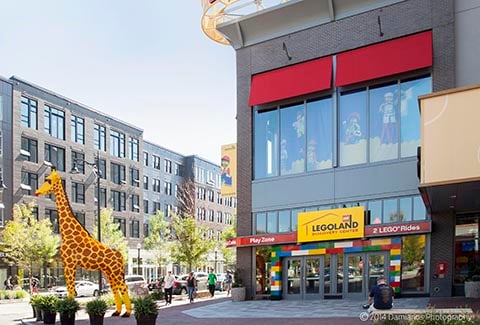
(96, 170)
(139, 246)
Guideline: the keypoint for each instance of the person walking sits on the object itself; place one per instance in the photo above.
(381, 296)
(8, 283)
(212, 280)
(191, 286)
(228, 282)
(168, 287)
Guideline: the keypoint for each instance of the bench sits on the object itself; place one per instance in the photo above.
(405, 316)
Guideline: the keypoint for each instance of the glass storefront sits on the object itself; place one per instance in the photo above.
(467, 257)
(413, 263)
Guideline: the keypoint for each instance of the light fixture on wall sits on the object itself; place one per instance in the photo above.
(286, 51)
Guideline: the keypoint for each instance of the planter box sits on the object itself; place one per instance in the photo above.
(238, 294)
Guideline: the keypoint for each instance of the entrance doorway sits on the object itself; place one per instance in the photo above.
(350, 275)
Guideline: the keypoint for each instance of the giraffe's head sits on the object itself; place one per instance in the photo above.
(47, 187)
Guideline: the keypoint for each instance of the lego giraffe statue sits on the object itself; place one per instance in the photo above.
(80, 249)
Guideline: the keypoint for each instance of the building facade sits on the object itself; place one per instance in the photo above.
(328, 129)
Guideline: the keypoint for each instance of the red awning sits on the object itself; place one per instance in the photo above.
(384, 59)
(295, 80)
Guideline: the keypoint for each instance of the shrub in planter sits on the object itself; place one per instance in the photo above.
(96, 310)
(37, 310)
(49, 313)
(146, 310)
(238, 291)
(67, 308)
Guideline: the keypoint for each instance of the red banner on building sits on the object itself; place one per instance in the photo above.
(398, 229)
(262, 240)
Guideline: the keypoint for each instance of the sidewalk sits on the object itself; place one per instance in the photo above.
(220, 310)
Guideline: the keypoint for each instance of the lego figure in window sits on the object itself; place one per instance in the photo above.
(352, 129)
(299, 125)
(387, 108)
(225, 171)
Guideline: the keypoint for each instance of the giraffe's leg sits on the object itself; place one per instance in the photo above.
(116, 294)
(69, 273)
(126, 299)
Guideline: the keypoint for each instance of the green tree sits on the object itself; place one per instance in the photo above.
(159, 238)
(229, 253)
(27, 240)
(190, 243)
(111, 234)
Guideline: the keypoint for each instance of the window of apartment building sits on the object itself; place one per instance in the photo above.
(168, 188)
(117, 144)
(78, 192)
(156, 162)
(122, 226)
(211, 196)
(133, 149)
(167, 210)
(52, 215)
(80, 216)
(145, 206)
(145, 159)
(168, 166)
(135, 229)
(175, 193)
(117, 173)
(211, 215)
(156, 207)
(146, 229)
(78, 160)
(102, 168)
(29, 113)
(156, 185)
(219, 198)
(179, 169)
(134, 177)
(29, 149)
(103, 197)
(375, 123)
(201, 193)
(118, 199)
(29, 183)
(145, 182)
(54, 120)
(219, 217)
(78, 129)
(135, 203)
(201, 214)
(56, 156)
(100, 137)
(200, 175)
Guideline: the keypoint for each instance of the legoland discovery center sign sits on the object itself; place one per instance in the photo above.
(330, 224)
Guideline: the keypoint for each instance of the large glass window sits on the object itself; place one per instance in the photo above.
(261, 223)
(133, 149)
(78, 129)
(284, 221)
(78, 161)
(383, 123)
(78, 193)
(272, 222)
(29, 113)
(375, 208)
(54, 122)
(390, 211)
(117, 173)
(413, 260)
(31, 180)
(266, 143)
(319, 134)
(119, 199)
(292, 144)
(419, 210)
(406, 209)
(30, 149)
(410, 114)
(353, 128)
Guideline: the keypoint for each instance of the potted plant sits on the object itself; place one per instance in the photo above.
(49, 313)
(37, 309)
(146, 310)
(96, 310)
(238, 289)
(67, 308)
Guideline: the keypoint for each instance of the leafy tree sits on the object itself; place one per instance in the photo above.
(229, 253)
(111, 234)
(159, 238)
(27, 240)
(190, 244)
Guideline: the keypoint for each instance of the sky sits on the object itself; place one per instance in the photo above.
(145, 62)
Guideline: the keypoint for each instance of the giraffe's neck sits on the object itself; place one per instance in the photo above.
(66, 218)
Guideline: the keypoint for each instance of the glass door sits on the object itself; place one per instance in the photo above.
(361, 271)
(304, 277)
(292, 284)
(353, 278)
